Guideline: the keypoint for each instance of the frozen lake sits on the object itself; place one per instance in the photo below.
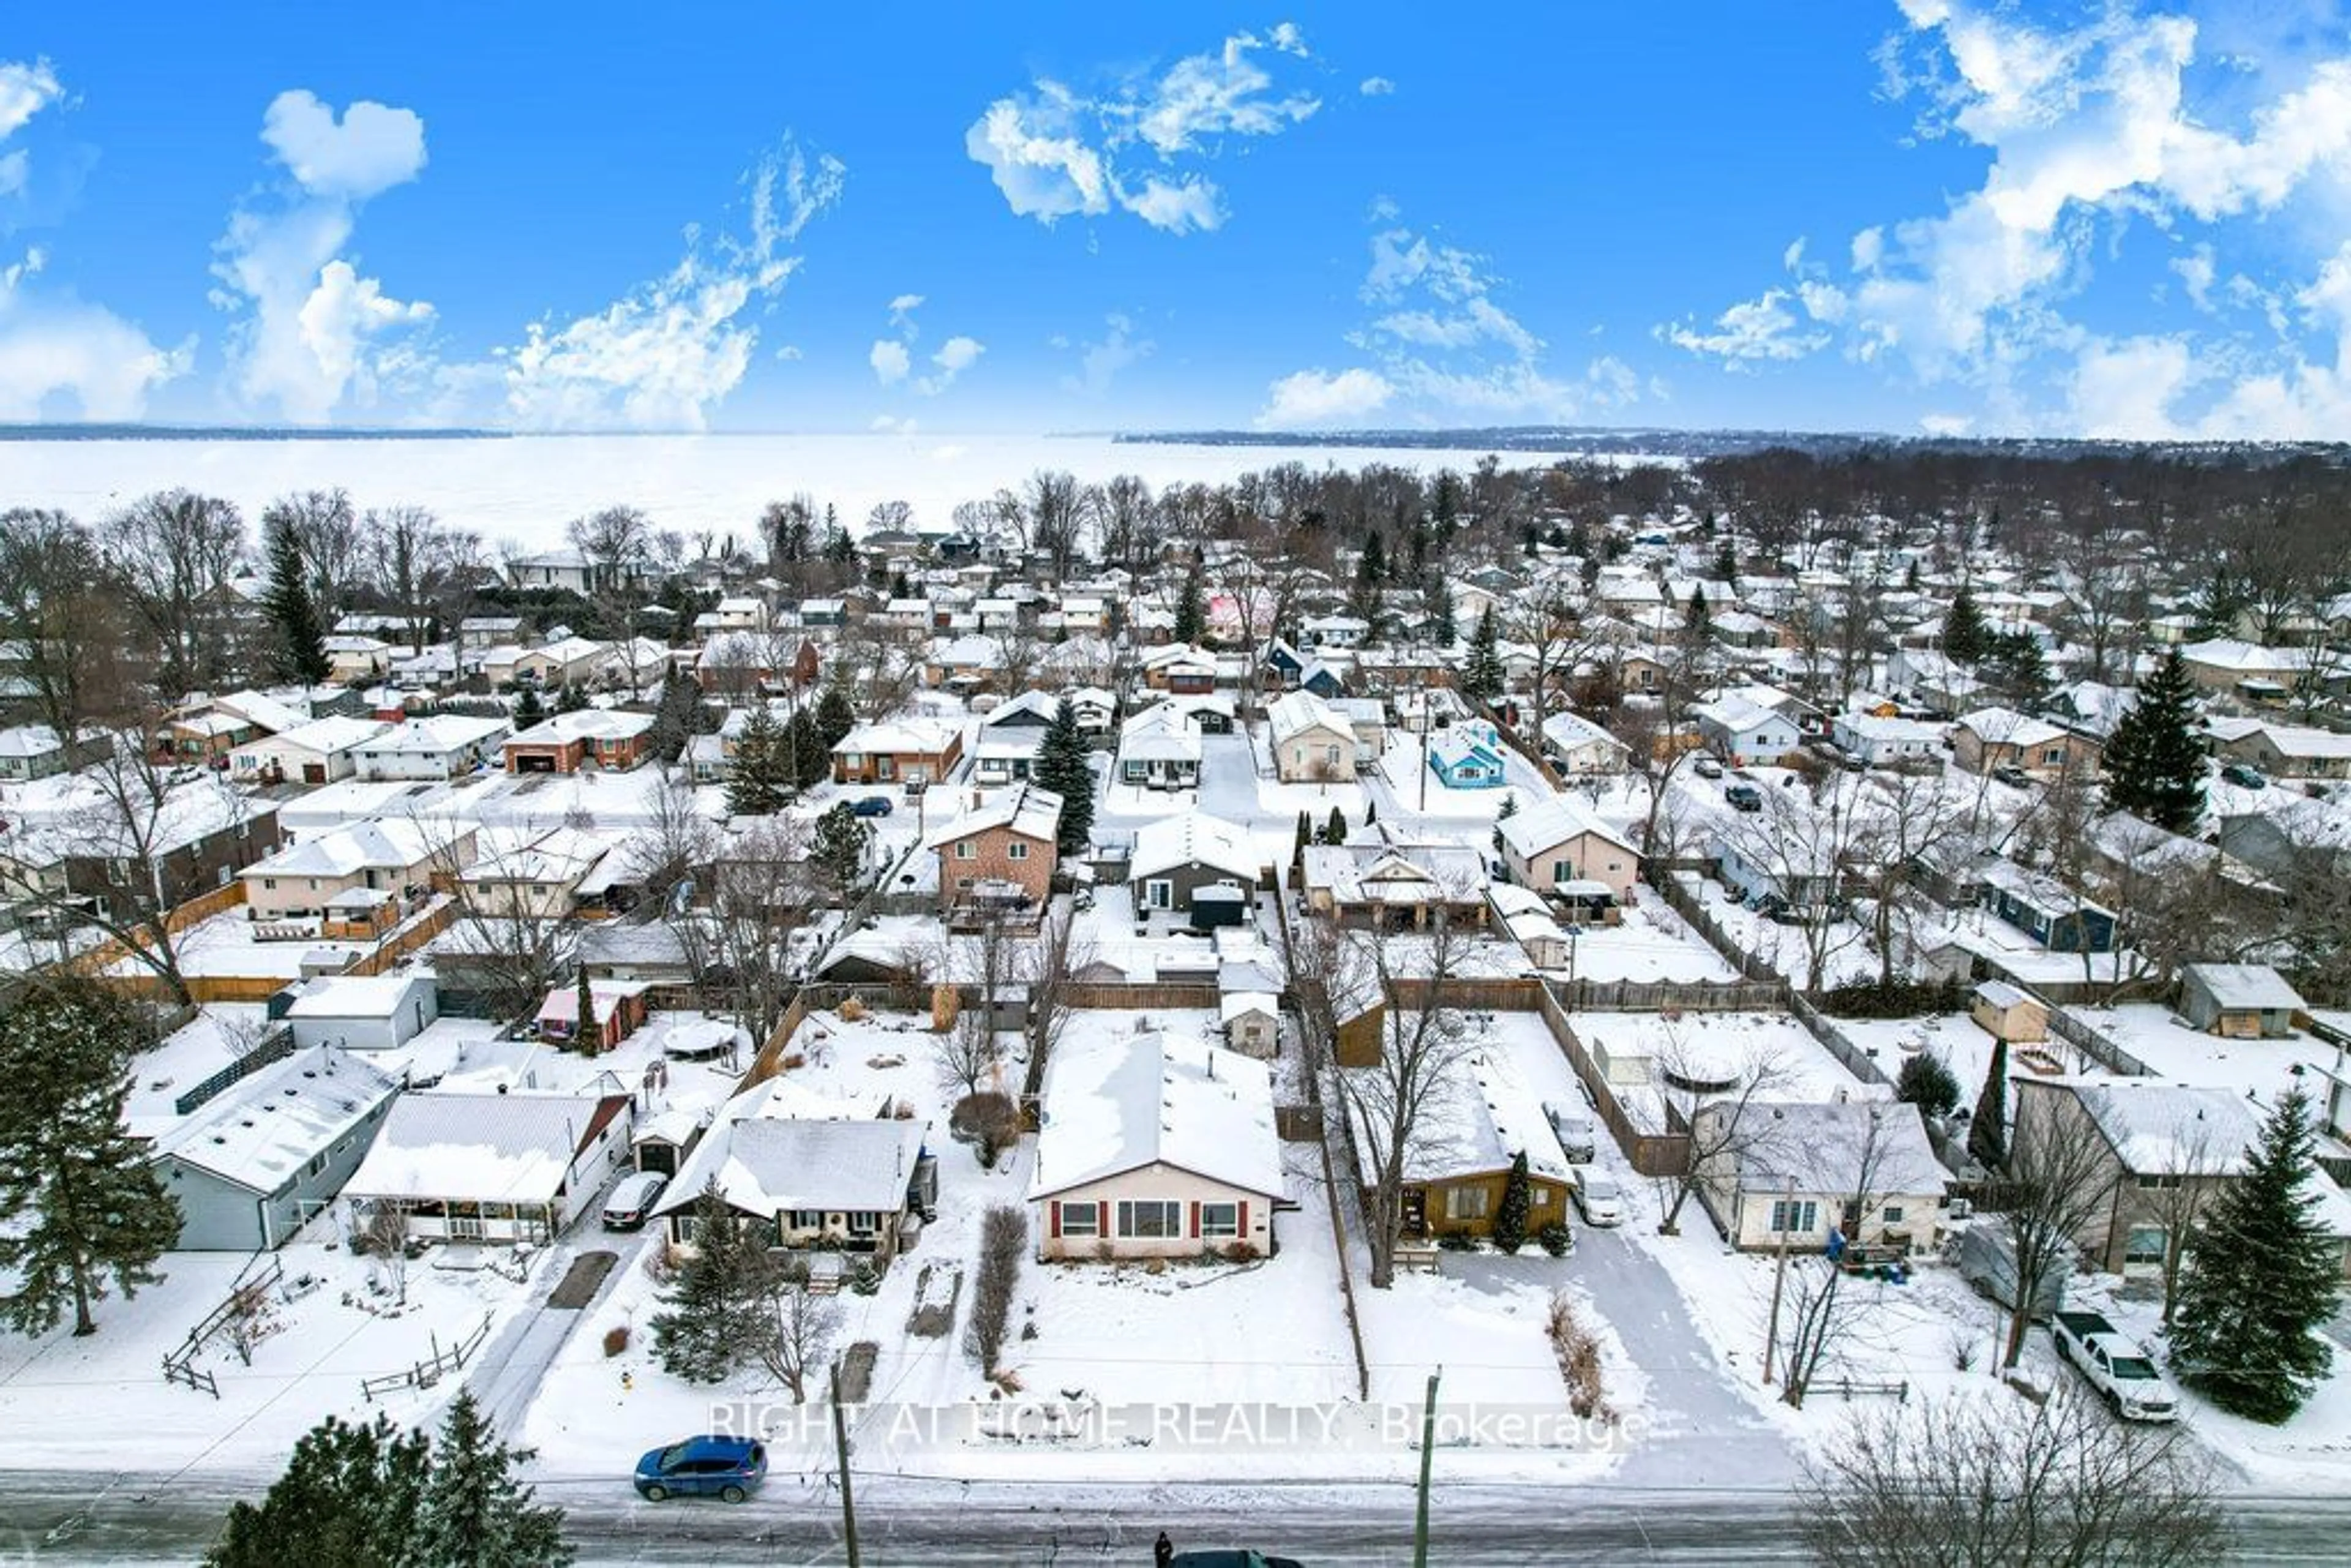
(525, 488)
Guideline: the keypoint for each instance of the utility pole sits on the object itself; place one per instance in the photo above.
(1427, 1452)
(840, 1452)
(1778, 1278)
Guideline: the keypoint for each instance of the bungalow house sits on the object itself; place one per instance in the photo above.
(1021, 710)
(1560, 841)
(1368, 717)
(356, 658)
(1006, 756)
(1393, 885)
(493, 1168)
(1793, 868)
(1934, 679)
(738, 663)
(2239, 1001)
(1995, 737)
(1159, 748)
(964, 663)
(567, 661)
(36, 751)
(1176, 856)
(1180, 669)
(1461, 1157)
(1334, 631)
(1002, 850)
(1744, 732)
(1154, 1146)
(1860, 1168)
(2225, 666)
(563, 569)
(261, 1158)
(1093, 708)
(392, 856)
(568, 742)
(2042, 908)
(477, 634)
(1468, 756)
(442, 746)
(319, 752)
(1884, 742)
(1311, 743)
(2285, 750)
(363, 1012)
(899, 751)
(1581, 749)
(2153, 1138)
(531, 873)
(2009, 1013)
(808, 1173)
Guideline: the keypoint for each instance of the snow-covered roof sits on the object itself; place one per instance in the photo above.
(390, 845)
(773, 1165)
(2006, 726)
(918, 737)
(1560, 820)
(1573, 732)
(1029, 812)
(1483, 1114)
(2244, 986)
(1821, 1146)
(265, 1128)
(1113, 1105)
(354, 996)
(2158, 1128)
(330, 735)
(1195, 837)
(492, 1147)
(436, 734)
(584, 724)
(1298, 713)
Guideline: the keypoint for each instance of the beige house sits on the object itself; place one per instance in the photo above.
(1154, 1146)
(394, 856)
(1313, 743)
(1862, 1168)
(1560, 841)
(2001, 738)
(319, 752)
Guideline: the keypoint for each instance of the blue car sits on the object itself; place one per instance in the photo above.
(872, 806)
(726, 1467)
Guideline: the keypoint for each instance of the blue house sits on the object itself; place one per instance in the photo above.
(2047, 913)
(1467, 756)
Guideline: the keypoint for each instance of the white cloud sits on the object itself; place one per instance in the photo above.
(1322, 397)
(1098, 364)
(893, 359)
(368, 150)
(1376, 87)
(27, 88)
(1946, 425)
(955, 356)
(668, 352)
(2196, 272)
(312, 335)
(2123, 390)
(1056, 153)
(1756, 330)
(889, 362)
(904, 305)
(63, 358)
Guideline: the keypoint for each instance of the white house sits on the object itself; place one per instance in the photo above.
(1313, 743)
(1862, 1168)
(364, 1012)
(1159, 748)
(1581, 747)
(1154, 1146)
(1880, 742)
(319, 752)
(496, 1168)
(1744, 732)
(442, 745)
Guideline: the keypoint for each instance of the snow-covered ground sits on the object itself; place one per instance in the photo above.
(1652, 943)
(2160, 1039)
(229, 944)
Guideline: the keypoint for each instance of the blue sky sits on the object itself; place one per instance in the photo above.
(2127, 218)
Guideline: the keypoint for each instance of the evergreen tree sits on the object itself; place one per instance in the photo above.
(675, 716)
(2219, 603)
(1509, 809)
(1926, 1083)
(1334, 832)
(2263, 1279)
(1966, 638)
(1372, 566)
(761, 769)
(807, 757)
(529, 709)
(1726, 563)
(1517, 1196)
(1062, 767)
(351, 1497)
(899, 587)
(570, 698)
(1191, 618)
(79, 1203)
(477, 1513)
(1481, 672)
(1305, 837)
(710, 1318)
(2154, 766)
(2017, 669)
(1910, 580)
(842, 836)
(834, 718)
(839, 549)
(589, 1036)
(1699, 620)
(299, 630)
(1443, 628)
(1987, 1132)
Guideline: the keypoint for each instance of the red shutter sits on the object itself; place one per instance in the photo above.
(1240, 1227)
(1057, 1220)
(1102, 1218)
(1196, 1219)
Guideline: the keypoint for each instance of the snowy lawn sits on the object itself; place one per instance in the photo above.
(1653, 943)
(2160, 1038)
(1716, 1045)
(1788, 949)
(123, 1412)
(227, 944)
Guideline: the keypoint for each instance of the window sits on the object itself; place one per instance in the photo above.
(1562, 870)
(1159, 894)
(1016, 850)
(1220, 1221)
(962, 883)
(1079, 1218)
(966, 850)
(2144, 1247)
(270, 882)
(1150, 1221)
(1794, 1217)
(864, 1222)
(806, 1220)
(1332, 756)
(1893, 1214)
(1464, 1203)
(318, 1164)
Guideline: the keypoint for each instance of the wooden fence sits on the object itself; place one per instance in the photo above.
(1678, 898)
(2095, 1042)
(1837, 1043)
(1650, 1153)
(1658, 995)
(432, 1368)
(195, 911)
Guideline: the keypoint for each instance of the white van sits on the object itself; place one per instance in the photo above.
(633, 1199)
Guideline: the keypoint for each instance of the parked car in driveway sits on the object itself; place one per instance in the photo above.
(1578, 1138)
(1598, 1199)
(1743, 797)
(873, 806)
(2244, 775)
(2009, 774)
(1706, 767)
(2119, 1368)
(633, 1199)
(730, 1468)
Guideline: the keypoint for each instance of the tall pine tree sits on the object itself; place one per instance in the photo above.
(1987, 1132)
(2153, 764)
(1191, 619)
(477, 1513)
(840, 847)
(1699, 620)
(762, 767)
(351, 1497)
(1062, 767)
(1443, 626)
(1481, 673)
(711, 1316)
(1966, 637)
(2263, 1277)
(1517, 1198)
(81, 1207)
(298, 630)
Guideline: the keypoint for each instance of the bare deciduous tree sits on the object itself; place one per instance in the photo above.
(174, 552)
(2057, 1179)
(800, 1338)
(1728, 1090)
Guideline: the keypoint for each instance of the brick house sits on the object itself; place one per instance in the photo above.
(1002, 848)
(900, 751)
(569, 741)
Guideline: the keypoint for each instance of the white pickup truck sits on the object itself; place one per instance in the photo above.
(2116, 1367)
